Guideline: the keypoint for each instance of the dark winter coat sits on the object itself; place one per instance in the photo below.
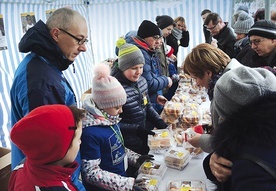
(207, 35)
(226, 40)
(152, 71)
(250, 58)
(173, 42)
(39, 80)
(251, 130)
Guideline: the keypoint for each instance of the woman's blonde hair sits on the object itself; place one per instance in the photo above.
(205, 57)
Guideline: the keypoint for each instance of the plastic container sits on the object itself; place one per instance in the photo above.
(186, 185)
(148, 182)
(160, 142)
(177, 158)
(153, 168)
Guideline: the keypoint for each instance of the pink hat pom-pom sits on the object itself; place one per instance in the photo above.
(101, 70)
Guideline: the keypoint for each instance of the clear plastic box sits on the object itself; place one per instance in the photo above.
(148, 182)
(160, 142)
(186, 185)
(177, 158)
(153, 168)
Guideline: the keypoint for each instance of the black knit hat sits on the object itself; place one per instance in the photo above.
(164, 21)
(148, 29)
(263, 28)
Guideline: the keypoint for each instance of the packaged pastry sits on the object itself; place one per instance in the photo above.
(178, 135)
(153, 168)
(186, 185)
(147, 182)
(160, 142)
(173, 109)
(190, 117)
(182, 98)
(177, 158)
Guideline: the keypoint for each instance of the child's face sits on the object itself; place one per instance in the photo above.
(114, 111)
(74, 147)
(133, 74)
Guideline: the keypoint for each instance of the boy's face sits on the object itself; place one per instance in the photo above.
(133, 74)
(74, 147)
(114, 111)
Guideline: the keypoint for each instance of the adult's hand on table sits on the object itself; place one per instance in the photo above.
(220, 167)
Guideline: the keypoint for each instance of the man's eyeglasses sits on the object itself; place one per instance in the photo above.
(211, 28)
(156, 37)
(80, 41)
(256, 42)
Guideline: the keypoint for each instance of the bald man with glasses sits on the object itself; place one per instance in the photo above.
(261, 50)
(222, 32)
(52, 47)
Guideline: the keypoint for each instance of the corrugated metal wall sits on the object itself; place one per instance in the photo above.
(107, 19)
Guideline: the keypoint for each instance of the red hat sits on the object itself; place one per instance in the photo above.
(45, 134)
(169, 51)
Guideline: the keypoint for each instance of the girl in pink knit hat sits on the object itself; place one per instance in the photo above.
(104, 155)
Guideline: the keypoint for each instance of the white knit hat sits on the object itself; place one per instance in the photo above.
(243, 23)
(107, 92)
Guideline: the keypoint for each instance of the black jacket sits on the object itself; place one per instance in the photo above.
(250, 58)
(173, 42)
(226, 40)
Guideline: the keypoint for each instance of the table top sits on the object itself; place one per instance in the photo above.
(193, 171)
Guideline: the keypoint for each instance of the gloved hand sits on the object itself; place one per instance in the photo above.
(143, 158)
(143, 132)
(137, 188)
(138, 185)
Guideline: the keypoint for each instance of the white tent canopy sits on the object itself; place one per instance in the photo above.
(107, 20)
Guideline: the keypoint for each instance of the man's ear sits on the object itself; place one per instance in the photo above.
(54, 33)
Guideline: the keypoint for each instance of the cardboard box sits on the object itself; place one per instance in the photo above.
(5, 168)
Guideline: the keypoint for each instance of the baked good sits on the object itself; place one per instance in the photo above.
(191, 185)
(177, 159)
(160, 142)
(190, 117)
(153, 168)
(147, 182)
(173, 109)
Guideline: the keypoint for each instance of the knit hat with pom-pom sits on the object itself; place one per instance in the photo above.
(243, 24)
(107, 92)
(129, 55)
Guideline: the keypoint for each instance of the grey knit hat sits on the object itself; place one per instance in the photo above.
(263, 28)
(243, 8)
(243, 23)
(129, 55)
(240, 87)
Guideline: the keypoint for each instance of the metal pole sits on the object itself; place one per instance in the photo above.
(267, 9)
